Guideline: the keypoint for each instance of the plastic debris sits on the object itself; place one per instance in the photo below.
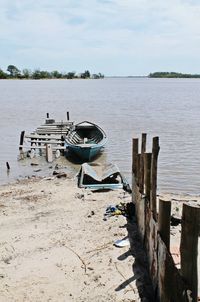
(122, 242)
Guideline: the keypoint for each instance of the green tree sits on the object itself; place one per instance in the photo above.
(85, 75)
(26, 73)
(14, 71)
(36, 74)
(3, 75)
(70, 75)
(56, 74)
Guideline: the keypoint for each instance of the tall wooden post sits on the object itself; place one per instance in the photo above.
(143, 150)
(164, 216)
(134, 165)
(67, 115)
(21, 141)
(154, 164)
(134, 155)
(189, 247)
(147, 175)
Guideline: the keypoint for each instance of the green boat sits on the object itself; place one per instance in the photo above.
(85, 140)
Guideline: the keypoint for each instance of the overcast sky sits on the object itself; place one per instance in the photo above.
(114, 37)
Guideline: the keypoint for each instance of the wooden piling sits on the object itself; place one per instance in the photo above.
(67, 115)
(143, 150)
(189, 247)
(147, 175)
(134, 155)
(134, 166)
(47, 115)
(8, 166)
(154, 163)
(21, 140)
(164, 216)
(49, 153)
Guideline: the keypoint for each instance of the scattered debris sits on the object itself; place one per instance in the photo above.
(122, 242)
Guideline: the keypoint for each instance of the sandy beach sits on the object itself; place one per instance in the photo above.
(55, 244)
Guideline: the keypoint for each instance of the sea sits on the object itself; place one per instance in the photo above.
(124, 107)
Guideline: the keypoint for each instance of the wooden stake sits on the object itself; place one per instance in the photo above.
(154, 163)
(134, 155)
(147, 174)
(49, 153)
(134, 166)
(8, 166)
(21, 140)
(67, 115)
(47, 115)
(143, 150)
(164, 221)
(189, 247)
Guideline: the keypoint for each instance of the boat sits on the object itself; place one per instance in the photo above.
(96, 176)
(85, 140)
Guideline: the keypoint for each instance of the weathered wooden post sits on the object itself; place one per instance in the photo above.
(147, 175)
(47, 115)
(21, 142)
(164, 216)
(8, 166)
(189, 247)
(49, 153)
(134, 165)
(67, 115)
(154, 164)
(134, 155)
(143, 150)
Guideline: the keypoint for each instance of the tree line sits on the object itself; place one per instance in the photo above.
(14, 73)
(172, 75)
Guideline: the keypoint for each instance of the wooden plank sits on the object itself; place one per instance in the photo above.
(37, 136)
(63, 131)
(59, 147)
(154, 163)
(68, 123)
(54, 142)
(189, 247)
(164, 221)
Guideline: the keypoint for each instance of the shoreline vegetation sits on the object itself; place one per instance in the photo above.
(13, 72)
(173, 75)
(26, 74)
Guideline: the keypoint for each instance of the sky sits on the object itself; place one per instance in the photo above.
(114, 37)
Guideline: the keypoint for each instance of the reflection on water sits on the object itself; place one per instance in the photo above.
(124, 108)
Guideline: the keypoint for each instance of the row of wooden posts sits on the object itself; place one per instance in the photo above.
(153, 218)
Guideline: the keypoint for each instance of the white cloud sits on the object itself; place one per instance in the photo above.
(47, 32)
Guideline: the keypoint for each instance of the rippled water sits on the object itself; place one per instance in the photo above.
(124, 108)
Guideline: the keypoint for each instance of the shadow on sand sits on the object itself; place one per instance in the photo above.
(140, 266)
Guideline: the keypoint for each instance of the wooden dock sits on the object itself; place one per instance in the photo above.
(49, 137)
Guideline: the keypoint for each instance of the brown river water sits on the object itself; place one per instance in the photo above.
(124, 108)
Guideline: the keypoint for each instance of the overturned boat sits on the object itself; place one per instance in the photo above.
(99, 177)
(85, 140)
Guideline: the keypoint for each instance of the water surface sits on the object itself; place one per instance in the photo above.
(124, 108)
